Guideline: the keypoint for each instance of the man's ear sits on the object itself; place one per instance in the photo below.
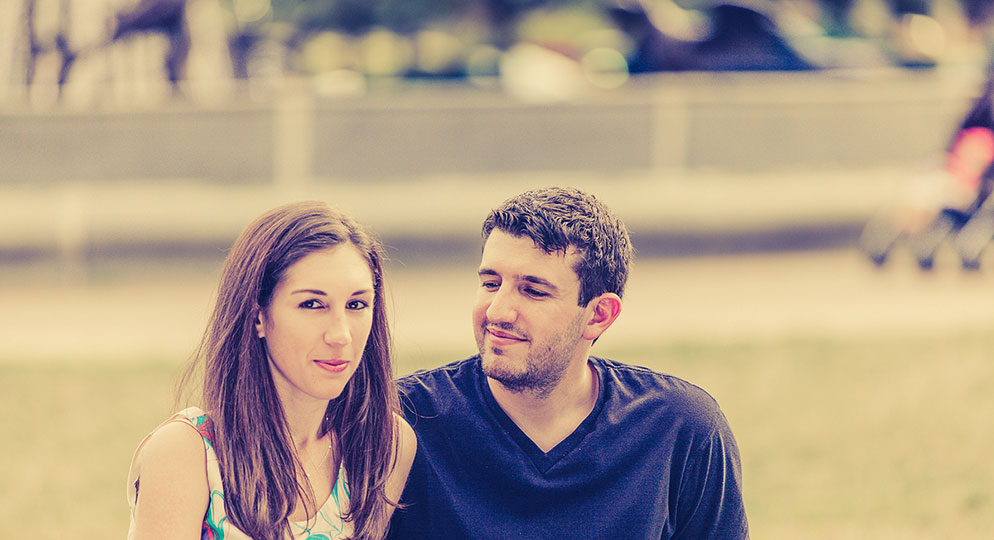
(607, 307)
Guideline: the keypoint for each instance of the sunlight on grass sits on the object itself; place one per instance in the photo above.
(875, 440)
(69, 436)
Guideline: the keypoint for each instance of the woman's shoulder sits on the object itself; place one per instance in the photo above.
(407, 441)
(405, 447)
(169, 474)
(176, 444)
(175, 438)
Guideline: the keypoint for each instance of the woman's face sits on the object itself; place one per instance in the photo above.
(317, 323)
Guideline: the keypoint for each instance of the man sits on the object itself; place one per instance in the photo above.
(533, 438)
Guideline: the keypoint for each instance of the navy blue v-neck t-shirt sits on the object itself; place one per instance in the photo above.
(655, 459)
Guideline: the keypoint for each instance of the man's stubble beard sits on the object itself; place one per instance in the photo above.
(544, 365)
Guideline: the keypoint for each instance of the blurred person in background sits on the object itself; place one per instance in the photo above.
(535, 438)
(939, 204)
(299, 428)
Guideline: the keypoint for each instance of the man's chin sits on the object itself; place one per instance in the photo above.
(502, 370)
(499, 367)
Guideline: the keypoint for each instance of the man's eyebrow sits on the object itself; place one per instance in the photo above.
(539, 281)
(529, 278)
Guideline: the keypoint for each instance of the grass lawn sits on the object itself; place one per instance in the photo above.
(840, 439)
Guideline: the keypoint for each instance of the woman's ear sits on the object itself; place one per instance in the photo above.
(259, 326)
(607, 307)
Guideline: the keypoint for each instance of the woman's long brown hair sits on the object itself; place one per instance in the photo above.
(259, 467)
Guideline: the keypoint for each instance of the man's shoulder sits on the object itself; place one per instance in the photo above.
(647, 389)
(434, 390)
(452, 373)
(648, 380)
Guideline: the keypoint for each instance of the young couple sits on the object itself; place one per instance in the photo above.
(301, 433)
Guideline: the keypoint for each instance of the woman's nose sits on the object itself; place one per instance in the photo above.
(337, 331)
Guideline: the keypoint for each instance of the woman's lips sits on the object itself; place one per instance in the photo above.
(332, 366)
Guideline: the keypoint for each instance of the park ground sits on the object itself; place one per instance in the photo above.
(859, 396)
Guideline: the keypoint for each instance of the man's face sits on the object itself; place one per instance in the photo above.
(528, 325)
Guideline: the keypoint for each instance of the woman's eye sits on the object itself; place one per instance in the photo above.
(357, 304)
(311, 304)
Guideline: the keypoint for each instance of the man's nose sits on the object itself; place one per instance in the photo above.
(502, 306)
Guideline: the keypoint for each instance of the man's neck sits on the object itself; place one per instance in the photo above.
(548, 417)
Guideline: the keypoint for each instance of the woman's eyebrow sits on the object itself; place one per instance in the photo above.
(319, 292)
(309, 291)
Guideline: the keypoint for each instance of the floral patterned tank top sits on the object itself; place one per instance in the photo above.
(326, 525)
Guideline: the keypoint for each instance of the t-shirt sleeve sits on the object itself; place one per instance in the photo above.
(711, 504)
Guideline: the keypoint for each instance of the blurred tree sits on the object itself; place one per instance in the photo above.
(739, 38)
(350, 16)
(299, 20)
(166, 17)
(406, 16)
(503, 16)
(836, 17)
(836, 13)
(37, 45)
(734, 23)
(978, 13)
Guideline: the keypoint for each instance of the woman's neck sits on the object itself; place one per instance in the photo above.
(304, 420)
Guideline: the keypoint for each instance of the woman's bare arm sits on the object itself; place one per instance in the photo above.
(172, 485)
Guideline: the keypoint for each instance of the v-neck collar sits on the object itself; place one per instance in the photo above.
(543, 461)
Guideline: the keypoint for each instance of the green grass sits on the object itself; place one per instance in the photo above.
(846, 439)
(69, 432)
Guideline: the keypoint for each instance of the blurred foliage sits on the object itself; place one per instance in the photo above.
(837, 14)
(344, 41)
(356, 16)
(295, 20)
(402, 16)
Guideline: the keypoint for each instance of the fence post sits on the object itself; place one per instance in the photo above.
(293, 135)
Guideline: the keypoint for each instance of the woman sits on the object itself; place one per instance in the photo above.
(298, 430)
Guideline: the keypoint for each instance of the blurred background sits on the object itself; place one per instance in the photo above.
(748, 145)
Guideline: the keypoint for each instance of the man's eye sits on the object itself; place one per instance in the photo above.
(357, 304)
(311, 304)
(490, 285)
(535, 293)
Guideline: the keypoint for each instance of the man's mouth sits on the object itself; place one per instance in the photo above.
(504, 336)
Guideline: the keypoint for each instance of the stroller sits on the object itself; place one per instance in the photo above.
(977, 232)
(954, 202)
